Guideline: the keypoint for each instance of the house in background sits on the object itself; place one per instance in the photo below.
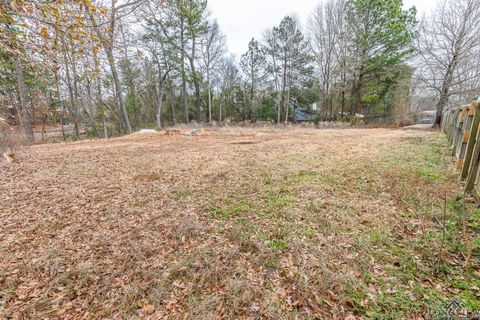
(308, 114)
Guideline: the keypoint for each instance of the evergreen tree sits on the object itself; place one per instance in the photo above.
(381, 35)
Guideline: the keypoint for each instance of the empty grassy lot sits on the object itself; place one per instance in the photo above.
(237, 224)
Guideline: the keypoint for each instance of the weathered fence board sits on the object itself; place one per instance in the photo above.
(474, 120)
(462, 128)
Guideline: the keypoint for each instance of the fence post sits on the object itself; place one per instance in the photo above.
(474, 120)
(453, 128)
(466, 129)
(458, 139)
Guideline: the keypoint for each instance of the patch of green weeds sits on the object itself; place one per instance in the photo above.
(278, 245)
(232, 207)
(306, 175)
(356, 295)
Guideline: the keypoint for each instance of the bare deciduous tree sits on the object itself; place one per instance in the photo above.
(326, 29)
(448, 45)
(213, 48)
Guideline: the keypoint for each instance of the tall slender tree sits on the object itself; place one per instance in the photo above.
(253, 66)
(287, 52)
(213, 49)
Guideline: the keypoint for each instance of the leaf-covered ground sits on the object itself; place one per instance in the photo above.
(237, 224)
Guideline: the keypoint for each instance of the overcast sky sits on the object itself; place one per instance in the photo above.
(243, 19)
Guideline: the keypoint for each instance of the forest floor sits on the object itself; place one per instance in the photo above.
(237, 224)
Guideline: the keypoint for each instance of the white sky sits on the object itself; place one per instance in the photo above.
(243, 19)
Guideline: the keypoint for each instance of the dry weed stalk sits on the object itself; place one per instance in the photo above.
(444, 231)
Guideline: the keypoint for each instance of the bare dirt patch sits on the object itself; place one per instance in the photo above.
(148, 177)
(232, 223)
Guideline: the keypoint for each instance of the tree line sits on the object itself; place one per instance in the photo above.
(117, 66)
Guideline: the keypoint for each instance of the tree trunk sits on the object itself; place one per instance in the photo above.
(442, 102)
(220, 100)
(196, 83)
(330, 103)
(357, 94)
(209, 98)
(198, 101)
(98, 82)
(186, 117)
(445, 92)
(343, 103)
(172, 102)
(134, 105)
(108, 48)
(208, 88)
(160, 104)
(62, 117)
(23, 109)
(284, 85)
(130, 82)
(63, 106)
(43, 126)
(118, 90)
(92, 106)
(287, 106)
(71, 94)
(344, 85)
(252, 89)
(105, 130)
(48, 97)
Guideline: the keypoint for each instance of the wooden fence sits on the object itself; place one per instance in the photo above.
(461, 125)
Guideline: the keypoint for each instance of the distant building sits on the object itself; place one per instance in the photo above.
(304, 116)
(426, 117)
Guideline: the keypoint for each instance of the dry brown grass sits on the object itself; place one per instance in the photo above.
(232, 223)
